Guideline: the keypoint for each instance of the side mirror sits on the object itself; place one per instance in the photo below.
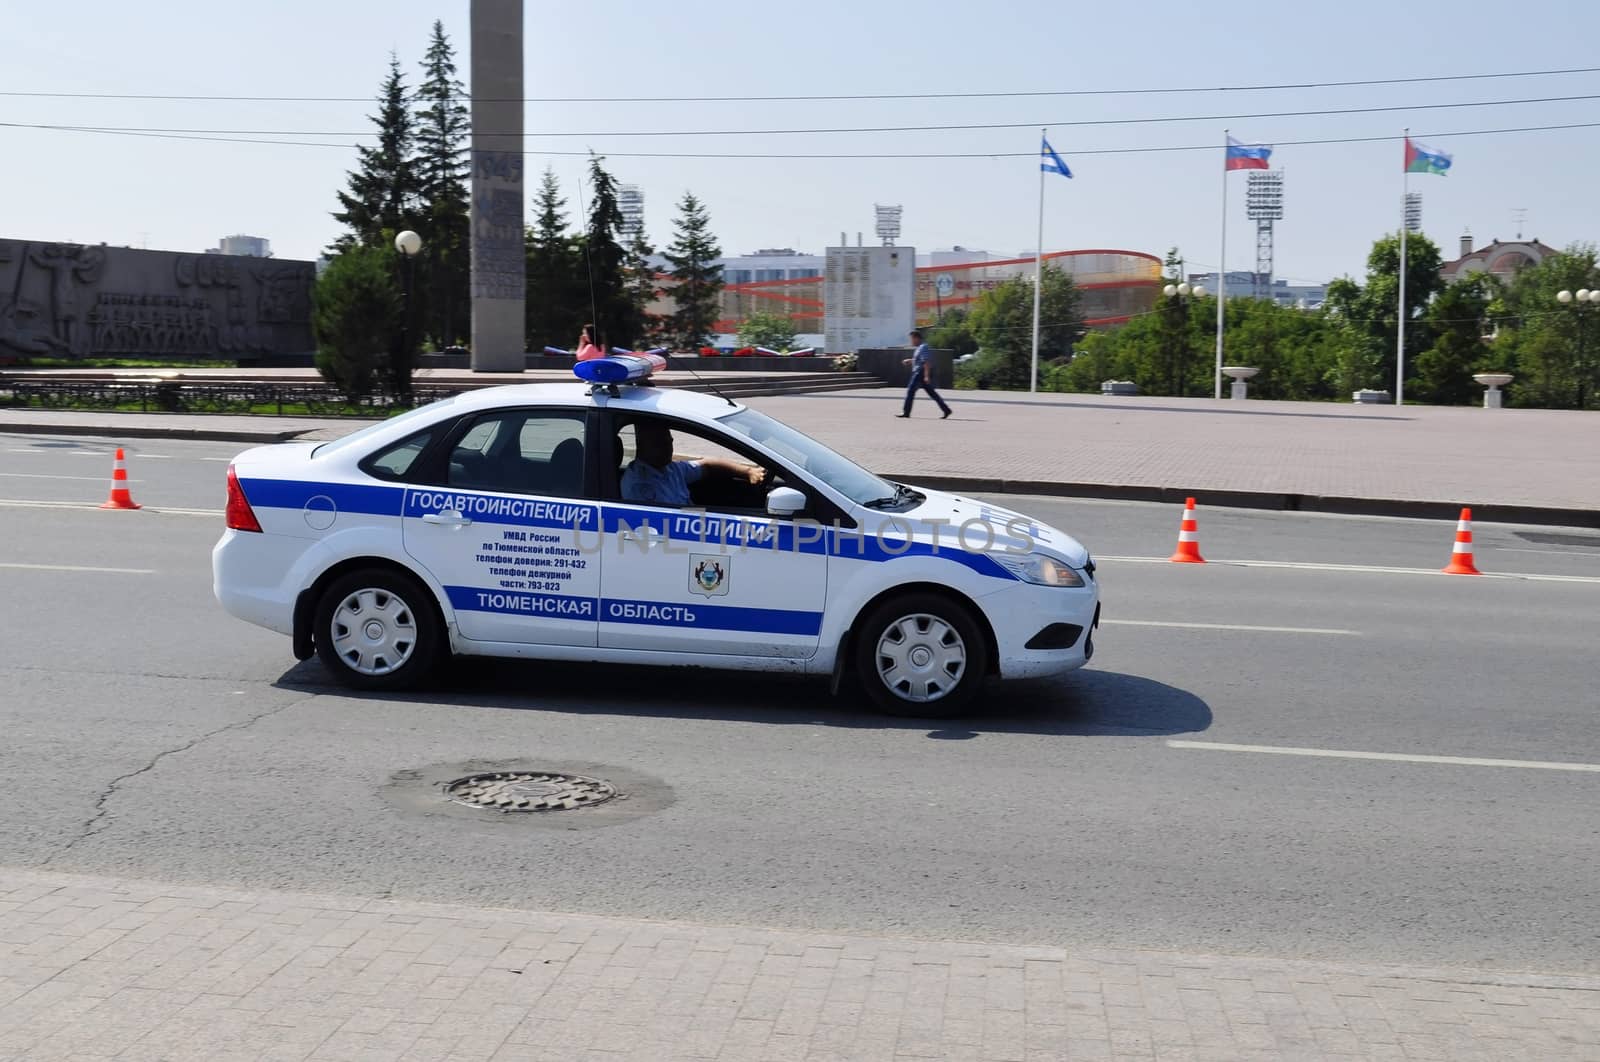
(785, 501)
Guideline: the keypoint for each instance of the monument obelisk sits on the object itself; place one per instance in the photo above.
(499, 284)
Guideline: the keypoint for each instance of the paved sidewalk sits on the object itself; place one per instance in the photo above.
(1511, 464)
(99, 968)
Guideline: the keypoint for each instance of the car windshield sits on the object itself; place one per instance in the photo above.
(370, 430)
(802, 451)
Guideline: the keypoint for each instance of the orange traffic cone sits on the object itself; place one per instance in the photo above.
(1188, 538)
(120, 498)
(1461, 555)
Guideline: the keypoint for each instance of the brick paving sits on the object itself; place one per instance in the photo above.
(1451, 456)
(99, 968)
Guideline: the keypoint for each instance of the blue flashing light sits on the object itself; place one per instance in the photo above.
(618, 368)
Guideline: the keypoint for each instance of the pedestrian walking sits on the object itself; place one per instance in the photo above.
(921, 362)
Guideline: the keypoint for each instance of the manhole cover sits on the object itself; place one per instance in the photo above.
(528, 791)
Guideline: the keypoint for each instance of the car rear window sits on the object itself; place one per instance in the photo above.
(395, 462)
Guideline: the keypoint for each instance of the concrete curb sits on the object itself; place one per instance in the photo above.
(1271, 500)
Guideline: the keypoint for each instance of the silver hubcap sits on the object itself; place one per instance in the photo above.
(921, 657)
(373, 631)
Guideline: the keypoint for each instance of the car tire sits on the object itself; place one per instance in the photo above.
(920, 655)
(377, 629)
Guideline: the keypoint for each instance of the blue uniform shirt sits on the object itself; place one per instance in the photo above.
(660, 486)
(920, 358)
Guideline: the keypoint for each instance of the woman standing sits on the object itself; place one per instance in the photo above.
(587, 347)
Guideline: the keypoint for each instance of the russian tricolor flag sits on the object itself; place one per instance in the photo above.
(1246, 156)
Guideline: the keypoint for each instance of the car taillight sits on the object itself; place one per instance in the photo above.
(240, 516)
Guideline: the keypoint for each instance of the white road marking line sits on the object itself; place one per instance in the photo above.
(43, 475)
(1227, 627)
(76, 568)
(20, 503)
(1556, 552)
(1398, 757)
(1359, 568)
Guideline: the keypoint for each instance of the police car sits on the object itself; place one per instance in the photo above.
(499, 523)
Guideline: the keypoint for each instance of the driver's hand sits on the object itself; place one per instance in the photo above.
(756, 475)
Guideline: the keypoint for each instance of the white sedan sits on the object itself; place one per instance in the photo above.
(544, 521)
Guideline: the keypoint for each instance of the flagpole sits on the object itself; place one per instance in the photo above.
(1038, 275)
(1222, 267)
(1400, 340)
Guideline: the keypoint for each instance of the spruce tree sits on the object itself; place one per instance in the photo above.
(615, 317)
(639, 278)
(697, 278)
(441, 131)
(384, 192)
(558, 301)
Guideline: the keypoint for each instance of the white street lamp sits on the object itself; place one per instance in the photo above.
(1198, 291)
(1183, 289)
(1563, 296)
(1170, 290)
(408, 243)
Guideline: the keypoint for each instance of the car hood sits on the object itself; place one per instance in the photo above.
(1008, 524)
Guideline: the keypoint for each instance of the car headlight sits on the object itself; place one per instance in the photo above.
(1039, 568)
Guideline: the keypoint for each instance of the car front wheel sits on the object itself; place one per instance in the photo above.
(376, 629)
(921, 655)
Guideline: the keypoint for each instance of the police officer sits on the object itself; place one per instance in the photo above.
(654, 477)
(921, 362)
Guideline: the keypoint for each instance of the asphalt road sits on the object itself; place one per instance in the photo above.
(147, 733)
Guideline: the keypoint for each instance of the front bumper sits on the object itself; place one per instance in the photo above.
(1043, 630)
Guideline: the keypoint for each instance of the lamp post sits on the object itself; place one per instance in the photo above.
(408, 244)
(1178, 296)
(1580, 301)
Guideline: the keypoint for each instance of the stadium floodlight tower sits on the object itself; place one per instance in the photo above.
(888, 223)
(1413, 211)
(1263, 204)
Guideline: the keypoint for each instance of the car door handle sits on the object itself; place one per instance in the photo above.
(450, 518)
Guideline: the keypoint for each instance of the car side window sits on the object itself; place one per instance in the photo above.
(521, 451)
(712, 487)
(395, 462)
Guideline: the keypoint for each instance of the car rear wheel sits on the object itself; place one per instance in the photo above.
(921, 655)
(377, 629)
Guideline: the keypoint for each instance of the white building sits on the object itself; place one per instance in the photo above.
(243, 246)
(630, 201)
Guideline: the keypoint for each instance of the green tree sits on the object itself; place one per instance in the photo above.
(618, 323)
(641, 288)
(1370, 310)
(771, 330)
(953, 332)
(356, 318)
(1456, 317)
(442, 126)
(1002, 323)
(383, 192)
(697, 277)
(557, 302)
(1554, 349)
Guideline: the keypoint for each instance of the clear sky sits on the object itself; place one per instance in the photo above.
(184, 195)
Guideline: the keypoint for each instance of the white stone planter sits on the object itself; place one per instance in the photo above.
(1493, 381)
(1239, 374)
(1371, 398)
(1118, 387)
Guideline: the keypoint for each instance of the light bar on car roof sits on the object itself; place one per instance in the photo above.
(620, 368)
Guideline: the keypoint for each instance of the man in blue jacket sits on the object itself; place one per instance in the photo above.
(921, 362)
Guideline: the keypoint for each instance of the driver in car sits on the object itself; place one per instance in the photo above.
(653, 476)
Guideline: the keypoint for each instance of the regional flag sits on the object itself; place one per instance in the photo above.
(1422, 159)
(1049, 161)
(1241, 156)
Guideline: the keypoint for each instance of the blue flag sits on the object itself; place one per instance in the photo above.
(1050, 162)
